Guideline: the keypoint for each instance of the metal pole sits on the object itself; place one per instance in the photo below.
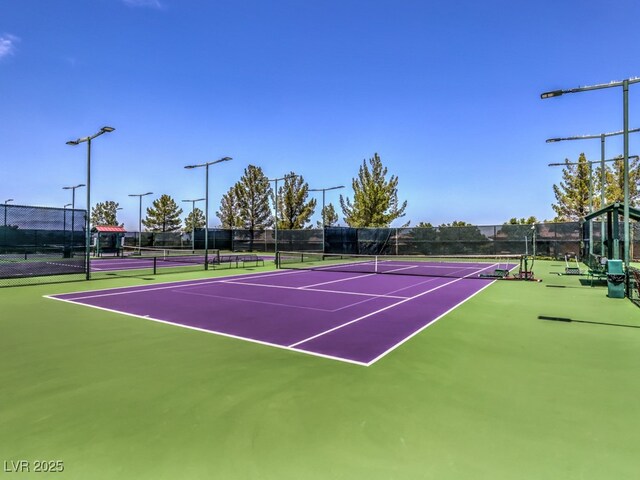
(276, 225)
(193, 227)
(602, 192)
(625, 128)
(73, 217)
(88, 220)
(206, 220)
(140, 223)
(590, 210)
(324, 224)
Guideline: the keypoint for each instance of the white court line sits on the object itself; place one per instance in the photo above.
(183, 292)
(306, 289)
(165, 285)
(378, 311)
(214, 332)
(406, 339)
(398, 269)
(334, 281)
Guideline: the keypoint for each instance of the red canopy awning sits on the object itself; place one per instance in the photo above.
(110, 229)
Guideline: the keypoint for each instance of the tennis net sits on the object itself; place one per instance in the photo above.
(460, 266)
(170, 254)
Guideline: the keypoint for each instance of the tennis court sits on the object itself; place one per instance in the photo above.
(344, 315)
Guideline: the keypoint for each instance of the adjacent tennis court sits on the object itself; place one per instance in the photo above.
(350, 316)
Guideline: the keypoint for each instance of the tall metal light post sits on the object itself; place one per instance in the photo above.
(625, 133)
(64, 222)
(323, 190)
(5, 209)
(193, 223)
(601, 162)
(88, 219)
(73, 208)
(206, 204)
(140, 195)
(275, 230)
(602, 138)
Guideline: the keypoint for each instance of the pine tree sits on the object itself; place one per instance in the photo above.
(522, 221)
(229, 213)
(330, 216)
(194, 220)
(572, 195)
(105, 213)
(293, 209)
(163, 215)
(375, 199)
(614, 191)
(424, 225)
(253, 192)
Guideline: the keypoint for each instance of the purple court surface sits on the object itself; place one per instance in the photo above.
(352, 317)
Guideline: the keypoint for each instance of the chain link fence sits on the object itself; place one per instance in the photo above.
(553, 240)
(41, 244)
(41, 241)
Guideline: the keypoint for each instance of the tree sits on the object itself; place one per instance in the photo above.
(293, 207)
(375, 199)
(105, 213)
(252, 193)
(330, 217)
(522, 221)
(614, 191)
(572, 195)
(424, 225)
(456, 223)
(194, 220)
(163, 215)
(229, 214)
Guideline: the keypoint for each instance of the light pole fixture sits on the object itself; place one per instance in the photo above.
(73, 207)
(140, 195)
(88, 219)
(323, 190)
(5, 209)
(206, 204)
(276, 207)
(602, 138)
(625, 133)
(193, 223)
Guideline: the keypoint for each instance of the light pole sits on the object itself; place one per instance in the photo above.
(5, 209)
(276, 205)
(73, 207)
(88, 219)
(140, 195)
(602, 138)
(206, 204)
(602, 162)
(625, 133)
(193, 222)
(323, 190)
(64, 223)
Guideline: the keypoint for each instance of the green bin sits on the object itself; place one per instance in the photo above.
(615, 279)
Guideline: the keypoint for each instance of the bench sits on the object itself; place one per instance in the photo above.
(250, 258)
(597, 268)
(234, 260)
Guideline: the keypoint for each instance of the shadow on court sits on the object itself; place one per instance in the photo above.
(573, 320)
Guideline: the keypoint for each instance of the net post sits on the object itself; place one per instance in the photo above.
(155, 265)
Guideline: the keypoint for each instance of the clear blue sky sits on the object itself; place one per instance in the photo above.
(447, 92)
